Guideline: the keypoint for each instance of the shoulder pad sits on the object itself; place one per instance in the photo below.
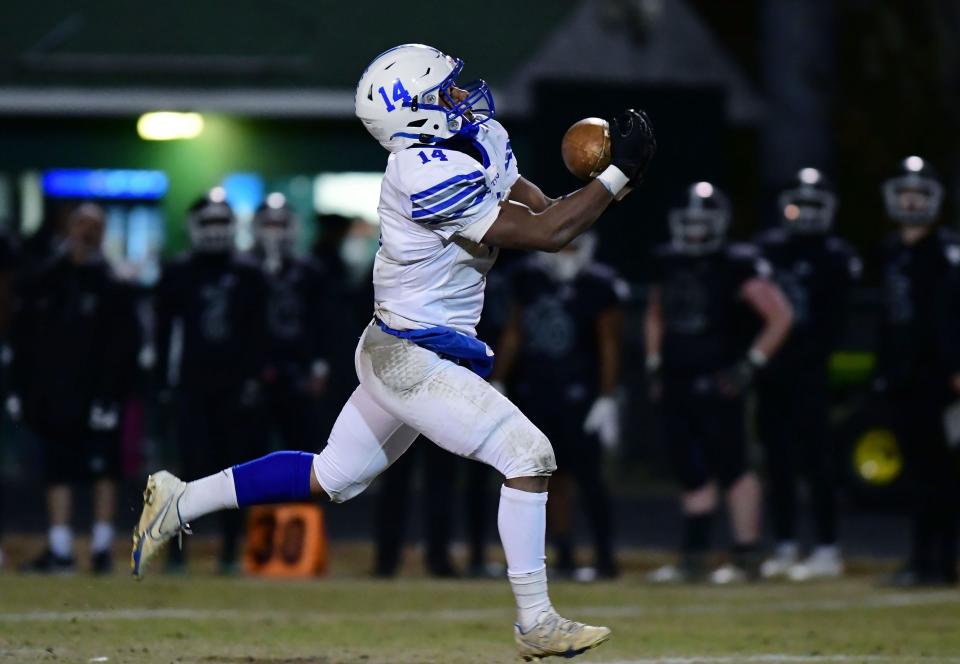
(743, 251)
(773, 236)
(246, 262)
(839, 245)
(440, 190)
(663, 250)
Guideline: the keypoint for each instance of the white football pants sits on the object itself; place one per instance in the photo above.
(406, 390)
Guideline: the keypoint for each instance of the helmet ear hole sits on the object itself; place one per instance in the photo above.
(435, 127)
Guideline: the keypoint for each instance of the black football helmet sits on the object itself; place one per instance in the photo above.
(700, 226)
(275, 227)
(914, 195)
(211, 223)
(809, 205)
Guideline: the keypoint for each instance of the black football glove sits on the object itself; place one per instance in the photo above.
(632, 144)
(734, 381)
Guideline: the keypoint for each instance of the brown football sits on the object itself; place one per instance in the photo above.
(586, 147)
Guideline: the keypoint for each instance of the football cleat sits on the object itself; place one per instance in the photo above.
(50, 563)
(824, 563)
(159, 520)
(779, 564)
(728, 574)
(553, 636)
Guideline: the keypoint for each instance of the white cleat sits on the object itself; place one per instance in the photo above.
(553, 636)
(824, 563)
(778, 565)
(728, 574)
(159, 520)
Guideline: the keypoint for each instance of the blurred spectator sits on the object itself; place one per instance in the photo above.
(815, 270)
(74, 344)
(9, 254)
(297, 370)
(917, 366)
(211, 342)
(560, 356)
(705, 299)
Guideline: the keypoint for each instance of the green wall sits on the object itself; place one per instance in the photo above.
(227, 144)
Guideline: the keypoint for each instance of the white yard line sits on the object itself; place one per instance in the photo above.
(791, 659)
(880, 601)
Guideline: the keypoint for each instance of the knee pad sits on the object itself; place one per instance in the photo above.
(336, 484)
(534, 459)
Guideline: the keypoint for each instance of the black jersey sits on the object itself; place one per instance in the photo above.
(74, 341)
(815, 273)
(916, 291)
(211, 322)
(559, 353)
(296, 319)
(706, 325)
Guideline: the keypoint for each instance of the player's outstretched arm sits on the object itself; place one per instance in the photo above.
(519, 227)
(530, 220)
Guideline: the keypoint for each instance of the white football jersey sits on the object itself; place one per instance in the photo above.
(436, 204)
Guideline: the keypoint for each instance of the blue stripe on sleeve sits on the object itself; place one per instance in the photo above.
(443, 185)
(420, 211)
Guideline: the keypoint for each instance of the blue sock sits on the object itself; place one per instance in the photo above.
(281, 477)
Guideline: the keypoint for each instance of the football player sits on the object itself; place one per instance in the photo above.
(705, 299)
(296, 372)
(211, 342)
(451, 197)
(815, 270)
(560, 354)
(74, 348)
(916, 365)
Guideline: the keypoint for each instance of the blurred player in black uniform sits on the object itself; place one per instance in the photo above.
(211, 349)
(560, 356)
(917, 370)
(705, 301)
(297, 370)
(814, 269)
(74, 343)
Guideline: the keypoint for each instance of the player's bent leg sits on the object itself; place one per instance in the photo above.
(462, 413)
(364, 441)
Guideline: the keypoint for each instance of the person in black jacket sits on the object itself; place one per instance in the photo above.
(297, 369)
(211, 351)
(74, 343)
(815, 270)
(918, 371)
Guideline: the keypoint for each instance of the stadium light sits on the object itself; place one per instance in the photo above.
(169, 126)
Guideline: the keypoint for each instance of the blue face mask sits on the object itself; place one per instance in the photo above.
(471, 112)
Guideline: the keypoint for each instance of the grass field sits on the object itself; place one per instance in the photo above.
(348, 618)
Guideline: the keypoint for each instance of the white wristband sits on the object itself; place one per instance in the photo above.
(757, 357)
(613, 179)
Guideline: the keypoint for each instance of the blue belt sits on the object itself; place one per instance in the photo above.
(449, 344)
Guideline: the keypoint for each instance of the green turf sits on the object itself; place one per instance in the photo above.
(210, 619)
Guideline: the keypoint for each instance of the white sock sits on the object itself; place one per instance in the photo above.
(210, 494)
(61, 541)
(522, 520)
(101, 538)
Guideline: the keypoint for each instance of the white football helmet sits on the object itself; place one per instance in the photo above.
(403, 98)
